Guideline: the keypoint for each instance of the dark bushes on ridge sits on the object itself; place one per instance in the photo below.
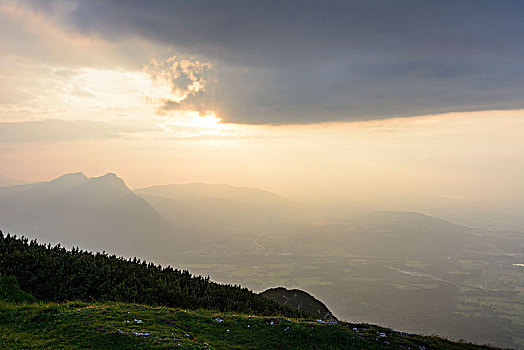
(52, 273)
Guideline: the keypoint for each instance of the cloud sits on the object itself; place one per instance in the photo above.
(190, 81)
(55, 130)
(29, 33)
(315, 61)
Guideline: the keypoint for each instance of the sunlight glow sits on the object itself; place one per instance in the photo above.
(208, 121)
(190, 124)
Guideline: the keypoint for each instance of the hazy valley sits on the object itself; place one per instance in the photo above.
(403, 270)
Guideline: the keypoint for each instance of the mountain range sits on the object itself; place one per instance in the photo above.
(159, 222)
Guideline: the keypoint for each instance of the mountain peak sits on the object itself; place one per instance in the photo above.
(109, 175)
(71, 178)
(110, 180)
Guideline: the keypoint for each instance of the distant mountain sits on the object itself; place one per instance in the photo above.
(299, 300)
(390, 234)
(217, 208)
(202, 190)
(5, 181)
(99, 213)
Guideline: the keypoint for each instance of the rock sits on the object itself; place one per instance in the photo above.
(300, 300)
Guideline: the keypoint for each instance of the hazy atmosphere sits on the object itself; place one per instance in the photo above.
(370, 153)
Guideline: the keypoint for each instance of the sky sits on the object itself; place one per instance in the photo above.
(382, 102)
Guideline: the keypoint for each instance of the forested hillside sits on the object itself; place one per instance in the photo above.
(52, 273)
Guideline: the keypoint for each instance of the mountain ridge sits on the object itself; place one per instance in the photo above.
(80, 211)
(6, 181)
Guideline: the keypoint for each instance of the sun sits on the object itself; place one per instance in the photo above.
(208, 121)
(190, 124)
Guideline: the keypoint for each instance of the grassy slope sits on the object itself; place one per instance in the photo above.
(78, 325)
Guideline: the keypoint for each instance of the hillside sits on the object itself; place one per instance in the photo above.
(77, 325)
(56, 274)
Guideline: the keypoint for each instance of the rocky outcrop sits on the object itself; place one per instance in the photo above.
(299, 300)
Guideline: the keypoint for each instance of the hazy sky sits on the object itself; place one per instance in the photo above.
(379, 101)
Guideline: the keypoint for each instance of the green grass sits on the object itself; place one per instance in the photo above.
(79, 325)
(10, 291)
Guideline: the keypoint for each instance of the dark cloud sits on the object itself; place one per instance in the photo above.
(309, 61)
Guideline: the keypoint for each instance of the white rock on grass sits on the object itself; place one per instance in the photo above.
(138, 333)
